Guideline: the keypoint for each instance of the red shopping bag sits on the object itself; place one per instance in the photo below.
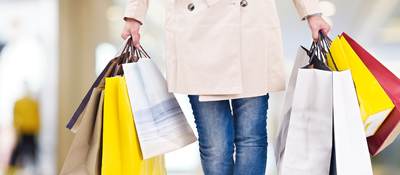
(390, 128)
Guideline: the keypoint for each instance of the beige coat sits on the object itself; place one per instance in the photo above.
(223, 49)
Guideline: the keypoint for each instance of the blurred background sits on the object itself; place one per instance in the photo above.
(51, 51)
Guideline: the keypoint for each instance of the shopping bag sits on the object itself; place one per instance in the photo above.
(375, 105)
(309, 138)
(91, 105)
(121, 152)
(351, 149)
(302, 59)
(84, 156)
(122, 55)
(160, 122)
(74, 122)
(390, 128)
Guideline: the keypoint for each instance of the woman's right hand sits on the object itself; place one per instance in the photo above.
(132, 28)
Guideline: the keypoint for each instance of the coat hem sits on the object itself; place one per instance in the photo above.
(237, 96)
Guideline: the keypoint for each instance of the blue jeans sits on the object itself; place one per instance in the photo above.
(224, 131)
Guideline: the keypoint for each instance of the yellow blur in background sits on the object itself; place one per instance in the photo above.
(54, 49)
(26, 116)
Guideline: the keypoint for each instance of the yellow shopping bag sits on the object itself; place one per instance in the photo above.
(375, 104)
(121, 149)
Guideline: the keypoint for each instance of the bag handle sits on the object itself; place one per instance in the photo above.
(128, 54)
(107, 71)
(125, 45)
(318, 53)
(320, 49)
(325, 43)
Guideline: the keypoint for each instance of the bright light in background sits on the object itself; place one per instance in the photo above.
(104, 53)
(391, 33)
(114, 13)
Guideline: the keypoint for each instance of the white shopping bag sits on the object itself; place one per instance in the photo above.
(302, 59)
(309, 139)
(351, 149)
(160, 123)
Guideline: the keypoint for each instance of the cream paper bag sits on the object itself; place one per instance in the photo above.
(302, 59)
(309, 137)
(160, 123)
(351, 148)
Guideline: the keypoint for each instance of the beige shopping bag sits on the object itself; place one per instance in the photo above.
(84, 156)
(112, 68)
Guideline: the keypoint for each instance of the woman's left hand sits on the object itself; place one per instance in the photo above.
(316, 24)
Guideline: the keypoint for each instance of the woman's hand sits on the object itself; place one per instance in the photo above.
(132, 28)
(316, 24)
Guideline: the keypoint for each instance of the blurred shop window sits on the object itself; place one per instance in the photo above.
(104, 53)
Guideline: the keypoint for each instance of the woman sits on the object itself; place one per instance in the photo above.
(227, 56)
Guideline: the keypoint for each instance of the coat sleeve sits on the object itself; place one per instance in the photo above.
(307, 7)
(136, 9)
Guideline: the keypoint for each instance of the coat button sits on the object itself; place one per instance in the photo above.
(243, 3)
(191, 7)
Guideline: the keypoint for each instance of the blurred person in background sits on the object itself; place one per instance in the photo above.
(227, 56)
(27, 126)
(22, 72)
